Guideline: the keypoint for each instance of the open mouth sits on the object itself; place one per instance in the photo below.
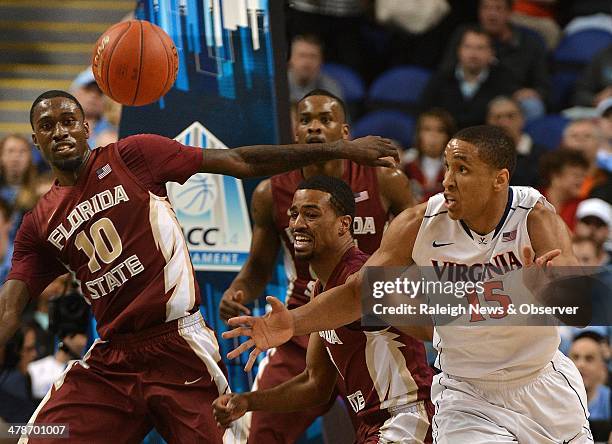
(449, 202)
(61, 147)
(301, 241)
(315, 139)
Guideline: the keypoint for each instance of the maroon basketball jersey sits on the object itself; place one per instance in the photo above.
(115, 229)
(379, 368)
(368, 225)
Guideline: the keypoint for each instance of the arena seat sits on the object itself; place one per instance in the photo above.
(547, 130)
(581, 46)
(353, 86)
(392, 124)
(401, 85)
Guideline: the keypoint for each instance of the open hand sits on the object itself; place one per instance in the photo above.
(271, 330)
(372, 151)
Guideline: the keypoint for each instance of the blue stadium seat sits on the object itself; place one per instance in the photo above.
(580, 47)
(547, 130)
(400, 85)
(350, 81)
(387, 123)
(563, 83)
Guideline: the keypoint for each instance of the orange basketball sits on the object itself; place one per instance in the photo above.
(135, 62)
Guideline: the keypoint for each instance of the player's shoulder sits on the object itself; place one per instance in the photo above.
(540, 217)
(263, 189)
(390, 177)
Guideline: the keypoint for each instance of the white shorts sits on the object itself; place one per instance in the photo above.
(549, 407)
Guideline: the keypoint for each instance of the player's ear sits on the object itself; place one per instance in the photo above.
(87, 131)
(345, 225)
(35, 141)
(502, 179)
(346, 131)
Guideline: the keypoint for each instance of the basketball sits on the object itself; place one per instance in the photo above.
(135, 62)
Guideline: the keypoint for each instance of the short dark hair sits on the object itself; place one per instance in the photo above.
(509, 3)
(475, 29)
(553, 162)
(495, 147)
(313, 39)
(51, 95)
(595, 336)
(446, 118)
(326, 93)
(341, 195)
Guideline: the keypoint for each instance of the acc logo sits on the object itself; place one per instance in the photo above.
(197, 196)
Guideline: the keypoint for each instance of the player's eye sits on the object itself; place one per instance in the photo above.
(463, 169)
(45, 126)
(293, 215)
(304, 120)
(325, 120)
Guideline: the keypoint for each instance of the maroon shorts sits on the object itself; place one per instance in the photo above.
(280, 365)
(165, 377)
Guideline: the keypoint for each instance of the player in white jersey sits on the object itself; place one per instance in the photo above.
(498, 384)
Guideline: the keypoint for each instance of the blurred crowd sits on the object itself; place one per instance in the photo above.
(480, 61)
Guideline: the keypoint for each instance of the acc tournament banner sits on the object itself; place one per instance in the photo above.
(212, 211)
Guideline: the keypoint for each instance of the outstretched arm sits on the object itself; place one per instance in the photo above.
(266, 160)
(314, 386)
(257, 270)
(336, 307)
(13, 299)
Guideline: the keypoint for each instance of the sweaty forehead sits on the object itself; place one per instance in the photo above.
(461, 150)
(59, 105)
(310, 198)
(319, 104)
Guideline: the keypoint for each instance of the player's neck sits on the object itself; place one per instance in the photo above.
(324, 265)
(486, 221)
(334, 168)
(69, 178)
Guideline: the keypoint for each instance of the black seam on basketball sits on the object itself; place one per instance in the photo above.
(572, 387)
(111, 50)
(139, 62)
(169, 58)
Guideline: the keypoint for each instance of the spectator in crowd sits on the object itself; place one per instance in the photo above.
(587, 352)
(563, 172)
(538, 15)
(423, 163)
(337, 23)
(304, 70)
(466, 89)
(17, 172)
(595, 84)
(91, 97)
(44, 372)
(584, 135)
(517, 50)
(112, 114)
(16, 403)
(593, 221)
(603, 187)
(506, 113)
(586, 251)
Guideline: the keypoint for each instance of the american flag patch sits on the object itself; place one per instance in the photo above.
(361, 196)
(104, 171)
(509, 236)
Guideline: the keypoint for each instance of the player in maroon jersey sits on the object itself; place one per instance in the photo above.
(379, 192)
(107, 219)
(383, 372)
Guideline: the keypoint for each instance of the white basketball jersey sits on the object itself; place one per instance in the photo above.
(490, 348)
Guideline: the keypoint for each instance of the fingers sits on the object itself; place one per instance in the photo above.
(240, 320)
(236, 332)
(276, 304)
(245, 346)
(545, 259)
(230, 309)
(252, 359)
(386, 162)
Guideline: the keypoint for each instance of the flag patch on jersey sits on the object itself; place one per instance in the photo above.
(509, 236)
(361, 196)
(104, 171)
